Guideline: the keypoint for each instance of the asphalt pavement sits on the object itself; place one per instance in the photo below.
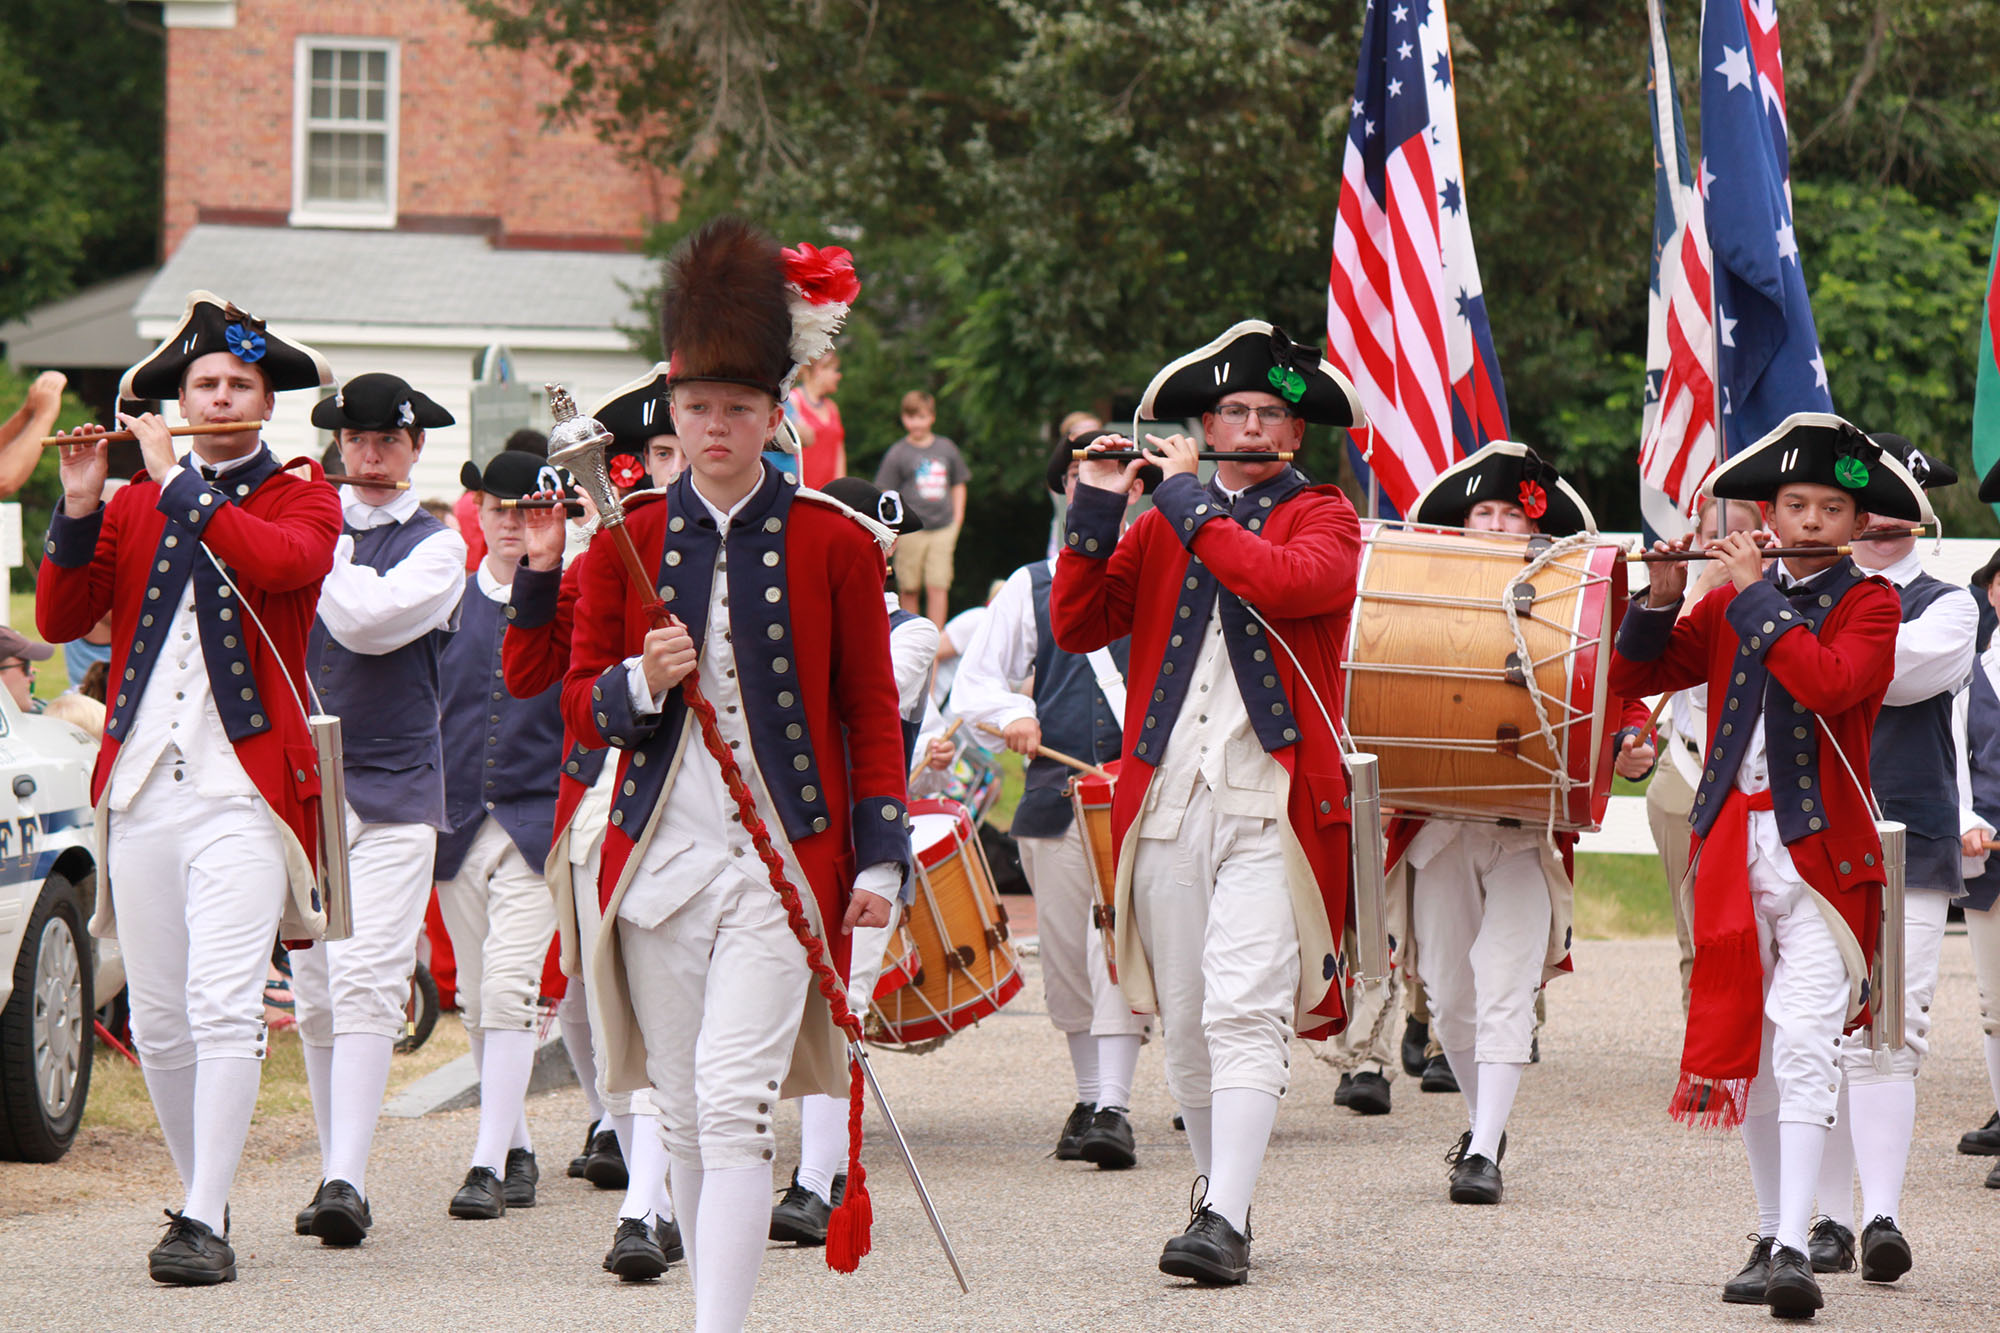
(1615, 1218)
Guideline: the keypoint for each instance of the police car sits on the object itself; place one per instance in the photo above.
(48, 883)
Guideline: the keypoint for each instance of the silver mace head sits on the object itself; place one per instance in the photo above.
(578, 443)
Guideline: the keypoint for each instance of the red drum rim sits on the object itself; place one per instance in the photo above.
(935, 853)
(929, 1027)
(1093, 790)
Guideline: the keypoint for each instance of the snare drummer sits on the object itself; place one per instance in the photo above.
(1077, 702)
(1232, 818)
(1490, 904)
(1781, 949)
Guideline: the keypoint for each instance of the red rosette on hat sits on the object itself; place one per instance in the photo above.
(1534, 500)
(627, 472)
(822, 276)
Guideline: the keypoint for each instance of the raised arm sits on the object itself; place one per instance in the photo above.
(375, 611)
(1097, 575)
(541, 619)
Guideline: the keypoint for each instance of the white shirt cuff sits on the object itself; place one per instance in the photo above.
(636, 688)
(884, 879)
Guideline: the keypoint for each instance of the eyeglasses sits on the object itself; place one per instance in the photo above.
(1235, 414)
(27, 669)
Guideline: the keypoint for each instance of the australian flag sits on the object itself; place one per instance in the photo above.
(1770, 363)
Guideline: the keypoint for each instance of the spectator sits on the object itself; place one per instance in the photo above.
(930, 474)
(79, 655)
(78, 710)
(94, 681)
(18, 655)
(816, 418)
(21, 434)
(440, 511)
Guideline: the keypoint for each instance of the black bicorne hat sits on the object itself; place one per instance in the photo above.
(885, 507)
(214, 325)
(1933, 474)
(1507, 471)
(511, 474)
(1252, 355)
(1821, 449)
(379, 401)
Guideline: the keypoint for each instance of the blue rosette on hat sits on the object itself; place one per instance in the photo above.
(211, 324)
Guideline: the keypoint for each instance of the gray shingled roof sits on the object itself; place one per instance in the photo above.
(300, 275)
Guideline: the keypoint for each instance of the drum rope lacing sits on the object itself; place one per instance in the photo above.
(883, 1035)
(1564, 782)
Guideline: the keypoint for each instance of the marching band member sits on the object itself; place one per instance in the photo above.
(1977, 720)
(776, 603)
(1076, 705)
(502, 755)
(1232, 813)
(385, 613)
(1490, 908)
(624, 1133)
(206, 785)
(1797, 660)
(1914, 771)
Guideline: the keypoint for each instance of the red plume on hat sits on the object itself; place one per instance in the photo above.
(727, 315)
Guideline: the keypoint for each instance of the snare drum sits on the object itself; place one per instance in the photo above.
(967, 968)
(1436, 685)
(1090, 798)
(901, 963)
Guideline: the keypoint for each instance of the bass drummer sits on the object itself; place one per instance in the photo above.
(1076, 702)
(1490, 903)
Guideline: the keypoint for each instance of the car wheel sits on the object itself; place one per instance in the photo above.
(45, 1031)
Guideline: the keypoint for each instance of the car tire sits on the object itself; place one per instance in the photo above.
(46, 1040)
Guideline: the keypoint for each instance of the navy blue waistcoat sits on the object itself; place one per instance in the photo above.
(501, 754)
(1075, 718)
(1913, 766)
(1982, 757)
(387, 702)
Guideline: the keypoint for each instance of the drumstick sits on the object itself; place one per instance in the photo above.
(949, 732)
(374, 483)
(1880, 535)
(1046, 753)
(1214, 455)
(120, 436)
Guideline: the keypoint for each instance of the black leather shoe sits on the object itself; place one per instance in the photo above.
(576, 1162)
(1416, 1040)
(1984, 1141)
(191, 1255)
(522, 1176)
(1885, 1254)
(482, 1196)
(1370, 1095)
(1830, 1247)
(1210, 1251)
(1069, 1144)
(1343, 1092)
(667, 1235)
(1993, 1177)
(800, 1217)
(635, 1253)
(1747, 1287)
(343, 1217)
(604, 1167)
(1438, 1076)
(1108, 1141)
(303, 1223)
(1792, 1291)
(1474, 1178)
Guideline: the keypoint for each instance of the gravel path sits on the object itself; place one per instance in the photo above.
(1614, 1218)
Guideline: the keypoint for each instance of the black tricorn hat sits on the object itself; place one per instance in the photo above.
(1507, 471)
(726, 317)
(1821, 449)
(1056, 475)
(885, 507)
(1984, 574)
(1933, 474)
(214, 325)
(379, 401)
(511, 474)
(634, 413)
(1252, 356)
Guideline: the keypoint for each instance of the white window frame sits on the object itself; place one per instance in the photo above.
(321, 213)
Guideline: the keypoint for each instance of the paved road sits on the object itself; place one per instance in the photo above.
(1614, 1219)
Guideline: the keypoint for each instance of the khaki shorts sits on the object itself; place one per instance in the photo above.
(923, 559)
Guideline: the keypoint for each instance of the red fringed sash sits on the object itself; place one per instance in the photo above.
(1725, 1025)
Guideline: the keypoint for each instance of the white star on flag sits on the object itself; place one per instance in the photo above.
(1367, 129)
(1357, 106)
(1395, 87)
(1404, 50)
(1788, 245)
(1400, 13)
(1735, 66)
(1707, 178)
(1819, 370)
(1728, 331)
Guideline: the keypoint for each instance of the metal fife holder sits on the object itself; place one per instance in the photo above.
(336, 891)
(1371, 899)
(1886, 977)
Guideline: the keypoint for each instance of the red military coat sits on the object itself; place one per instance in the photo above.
(1298, 568)
(277, 542)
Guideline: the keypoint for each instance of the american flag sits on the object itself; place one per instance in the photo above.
(1770, 360)
(1406, 317)
(1677, 428)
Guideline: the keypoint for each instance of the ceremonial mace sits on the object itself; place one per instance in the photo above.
(578, 443)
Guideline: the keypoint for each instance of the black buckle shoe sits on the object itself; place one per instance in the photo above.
(302, 1224)
(191, 1255)
(1885, 1253)
(521, 1178)
(343, 1217)
(1370, 1094)
(481, 1198)
(576, 1163)
(1984, 1141)
(635, 1253)
(667, 1235)
(1210, 1251)
(1416, 1040)
(1438, 1076)
(1792, 1291)
(1069, 1144)
(1830, 1247)
(1108, 1143)
(604, 1167)
(1747, 1287)
(800, 1217)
